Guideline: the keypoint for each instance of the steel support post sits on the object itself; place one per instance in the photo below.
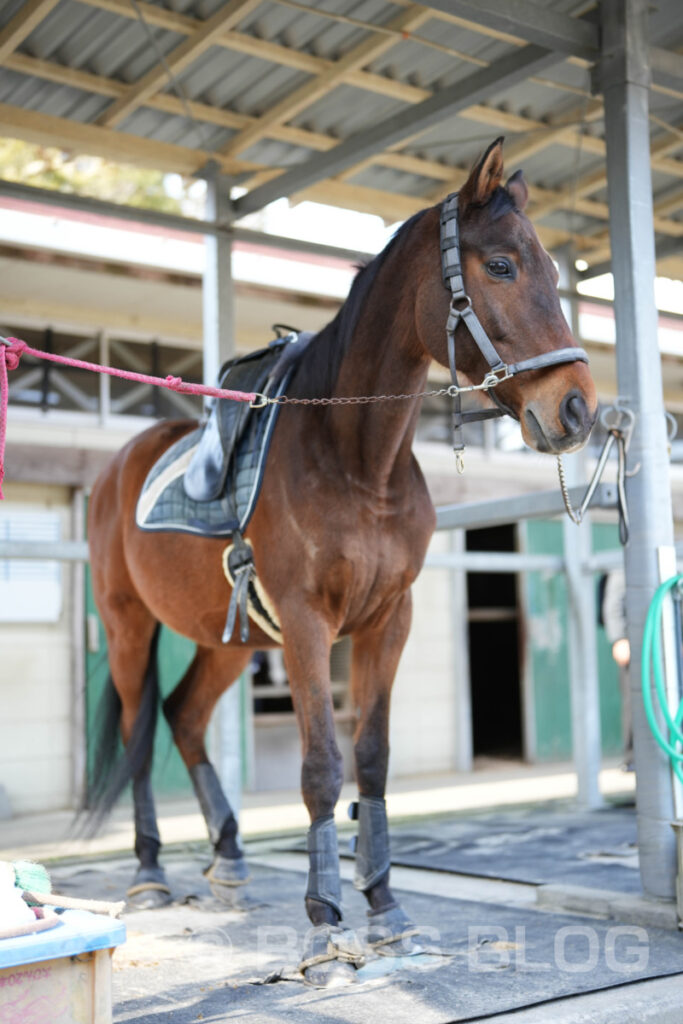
(219, 345)
(462, 757)
(624, 80)
(582, 639)
(105, 379)
(217, 287)
(78, 676)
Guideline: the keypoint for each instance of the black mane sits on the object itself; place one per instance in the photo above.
(319, 369)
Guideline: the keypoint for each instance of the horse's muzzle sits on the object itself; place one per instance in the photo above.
(569, 431)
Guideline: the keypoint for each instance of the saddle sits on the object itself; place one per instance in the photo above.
(234, 444)
(208, 482)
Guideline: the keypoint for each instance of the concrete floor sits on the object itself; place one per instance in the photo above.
(489, 950)
(200, 960)
(52, 835)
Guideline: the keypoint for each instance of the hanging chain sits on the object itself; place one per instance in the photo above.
(574, 515)
(621, 435)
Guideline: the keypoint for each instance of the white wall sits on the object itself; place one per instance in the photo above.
(35, 683)
(423, 711)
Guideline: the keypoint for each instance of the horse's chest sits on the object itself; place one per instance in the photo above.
(365, 569)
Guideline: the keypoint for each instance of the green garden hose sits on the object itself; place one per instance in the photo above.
(652, 666)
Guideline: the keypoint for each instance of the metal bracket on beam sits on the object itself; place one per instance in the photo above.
(557, 31)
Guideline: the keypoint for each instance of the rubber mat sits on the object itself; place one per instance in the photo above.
(596, 849)
(198, 960)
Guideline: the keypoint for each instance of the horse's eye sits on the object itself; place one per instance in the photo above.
(499, 267)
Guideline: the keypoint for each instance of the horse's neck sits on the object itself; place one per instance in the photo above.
(374, 441)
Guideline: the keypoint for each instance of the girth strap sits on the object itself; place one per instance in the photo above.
(241, 564)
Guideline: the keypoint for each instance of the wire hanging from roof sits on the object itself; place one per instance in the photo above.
(175, 84)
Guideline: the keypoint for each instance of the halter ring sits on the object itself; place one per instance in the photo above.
(463, 297)
(494, 377)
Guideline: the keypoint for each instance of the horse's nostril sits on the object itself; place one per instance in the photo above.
(574, 415)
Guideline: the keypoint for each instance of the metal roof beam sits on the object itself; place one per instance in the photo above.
(121, 147)
(669, 247)
(176, 61)
(22, 24)
(597, 179)
(305, 95)
(174, 222)
(538, 25)
(475, 88)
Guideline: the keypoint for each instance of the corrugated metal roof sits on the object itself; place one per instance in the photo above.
(276, 47)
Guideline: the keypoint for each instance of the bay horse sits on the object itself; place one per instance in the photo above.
(339, 534)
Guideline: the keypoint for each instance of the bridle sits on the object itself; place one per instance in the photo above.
(461, 311)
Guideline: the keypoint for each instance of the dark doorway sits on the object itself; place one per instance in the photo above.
(493, 618)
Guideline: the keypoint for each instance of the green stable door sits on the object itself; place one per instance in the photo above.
(548, 613)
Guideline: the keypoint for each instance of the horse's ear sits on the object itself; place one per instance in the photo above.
(517, 188)
(485, 177)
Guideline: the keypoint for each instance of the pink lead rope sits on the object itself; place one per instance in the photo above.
(12, 349)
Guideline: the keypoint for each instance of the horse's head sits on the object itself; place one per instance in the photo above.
(512, 283)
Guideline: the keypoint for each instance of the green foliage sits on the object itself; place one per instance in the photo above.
(47, 167)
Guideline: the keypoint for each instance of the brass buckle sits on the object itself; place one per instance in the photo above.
(258, 401)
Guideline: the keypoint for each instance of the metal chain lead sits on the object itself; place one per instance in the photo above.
(356, 400)
(493, 378)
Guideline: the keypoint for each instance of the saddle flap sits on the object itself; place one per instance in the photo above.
(207, 472)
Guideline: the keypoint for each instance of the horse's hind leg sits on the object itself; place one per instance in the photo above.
(376, 653)
(188, 710)
(132, 635)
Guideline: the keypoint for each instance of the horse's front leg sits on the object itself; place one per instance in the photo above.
(376, 653)
(307, 643)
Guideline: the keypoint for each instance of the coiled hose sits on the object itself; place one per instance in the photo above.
(652, 667)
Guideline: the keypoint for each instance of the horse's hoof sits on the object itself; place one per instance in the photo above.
(333, 974)
(392, 933)
(331, 956)
(149, 890)
(226, 875)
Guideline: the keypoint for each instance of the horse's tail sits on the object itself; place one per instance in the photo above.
(114, 765)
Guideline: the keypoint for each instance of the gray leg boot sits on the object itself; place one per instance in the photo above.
(228, 868)
(390, 930)
(330, 958)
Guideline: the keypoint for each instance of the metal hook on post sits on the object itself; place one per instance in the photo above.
(618, 421)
